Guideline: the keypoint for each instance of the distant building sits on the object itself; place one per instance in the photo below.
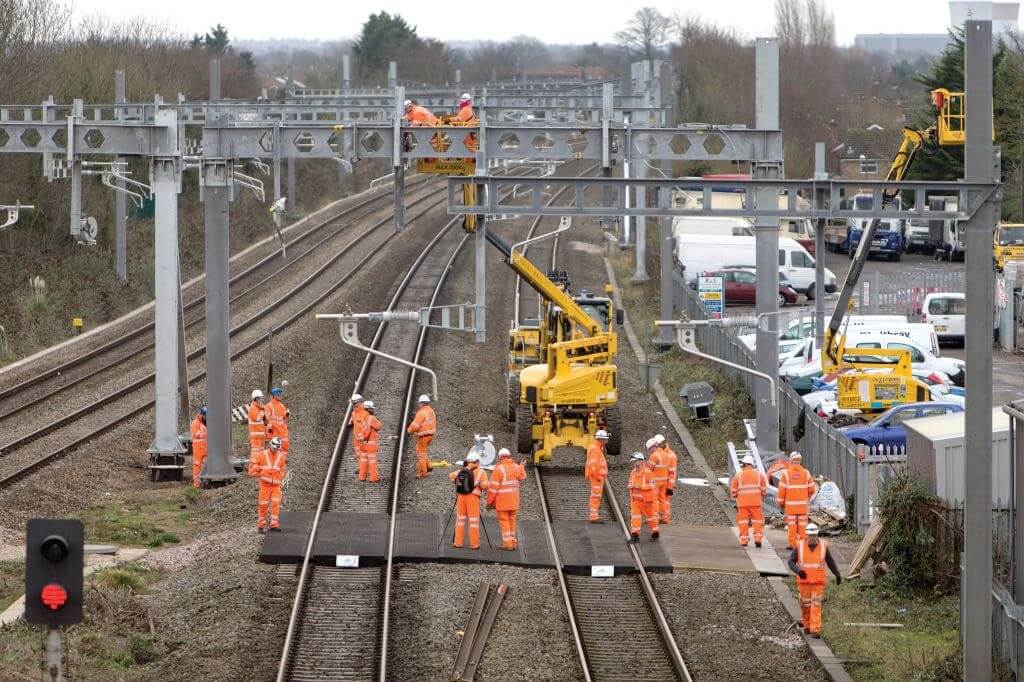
(1002, 14)
(865, 154)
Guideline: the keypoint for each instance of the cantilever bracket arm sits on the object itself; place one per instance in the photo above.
(686, 337)
(12, 214)
(349, 330)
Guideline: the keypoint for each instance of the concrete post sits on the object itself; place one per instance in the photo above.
(980, 165)
(346, 72)
(640, 270)
(216, 193)
(292, 206)
(819, 254)
(120, 205)
(607, 106)
(277, 161)
(214, 79)
(767, 233)
(396, 159)
(392, 74)
(167, 312)
(75, 168)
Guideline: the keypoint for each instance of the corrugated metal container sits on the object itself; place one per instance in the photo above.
(935, 451)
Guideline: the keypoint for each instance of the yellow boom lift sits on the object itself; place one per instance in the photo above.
(870, 388)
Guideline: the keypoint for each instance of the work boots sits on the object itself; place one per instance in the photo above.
(655, 535)
(635, 537)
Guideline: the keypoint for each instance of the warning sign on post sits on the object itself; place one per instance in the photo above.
(712, 295)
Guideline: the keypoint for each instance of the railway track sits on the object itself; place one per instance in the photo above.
(323, 639)
(62, 435)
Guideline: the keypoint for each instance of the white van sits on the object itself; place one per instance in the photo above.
(920, 332)
(803, 328)
(947, 311)
(712, 225)
(697, 253)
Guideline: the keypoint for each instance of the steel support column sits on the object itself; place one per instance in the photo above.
(819, 254)
(216, 178)
(980, 163)
(346, 72)
(396, 159)
(480, 262)
(767, 234)
(292, 203)
(277, 163)
(120, 207)
(165, 183)
(76, 195)
(392, 74)
(640, 271)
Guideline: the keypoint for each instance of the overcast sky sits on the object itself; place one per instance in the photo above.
(559, 21)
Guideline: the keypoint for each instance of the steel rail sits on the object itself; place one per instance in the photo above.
(652, 598)
(364, 206)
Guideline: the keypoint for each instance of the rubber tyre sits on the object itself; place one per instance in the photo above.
(512, 388)
(809, 293)
(524, 429)
(897, 257)
(782, 301)
(613, 424)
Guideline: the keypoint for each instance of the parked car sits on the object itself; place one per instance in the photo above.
(887, 428)
(740, 286)
(947, 313)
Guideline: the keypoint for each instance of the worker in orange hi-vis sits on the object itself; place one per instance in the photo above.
(424, 427)
(658, 459)
(808, 561)
(257, 430)
(355, 420)
(643, 498)
(369, 437)
(595, 470)
(271, 469)
(419, 116)
(796, 488)
(466, 114)
(470, 481)
(197, 431)
(277, 418)
(748, 488)
(671, 471)
(503, 495)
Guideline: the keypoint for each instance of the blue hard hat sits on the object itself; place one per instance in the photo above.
(202, 410)
(277, 391)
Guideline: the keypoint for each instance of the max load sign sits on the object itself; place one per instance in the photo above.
(712, 295)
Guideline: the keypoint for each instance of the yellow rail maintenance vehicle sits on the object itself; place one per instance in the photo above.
(875, 384)
(1008, 244)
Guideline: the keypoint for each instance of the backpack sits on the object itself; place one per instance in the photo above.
(464, 482)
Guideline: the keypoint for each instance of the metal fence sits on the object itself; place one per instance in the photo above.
(902, 293)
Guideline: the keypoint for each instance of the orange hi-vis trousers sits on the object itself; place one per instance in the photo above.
(810, 604)
(643, 511)
(270, 499)
(507, 521)
(423, 455)
(467, 512)
(596, 489)
(368, 463)
(797, 526)
(664, 504)
(747, 517)
(256, 447)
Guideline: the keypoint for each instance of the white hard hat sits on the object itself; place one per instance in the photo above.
(356, 398)
(257, 394)
(472, 456)
(796, 456)
(638, 457)
(407, 103)
(465, 96)
(650, 443)
(424, 398)
(368, 404)
(275, 443)
(659, 439)
(504, 452)
(812, 529)
(601, 434)
(748, 459)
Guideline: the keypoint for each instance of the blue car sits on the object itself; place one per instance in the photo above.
(887, 428)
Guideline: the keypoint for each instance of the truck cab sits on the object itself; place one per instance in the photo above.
(1008, 244)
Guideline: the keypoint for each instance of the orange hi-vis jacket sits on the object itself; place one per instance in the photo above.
(796, 488)
(421, 116)
(272, 466)
(504, 484)
(197, 431)
(257, 421)
(596, 467)
(659, 458)
(748, 487)
(641, 485)
(812, 562)
(370, 435)
(480, 482)
(672, 461)
(277, 417)
(466, 114)
(356, 419)
(424, 423)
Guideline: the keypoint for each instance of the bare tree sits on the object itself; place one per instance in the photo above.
(528, 53)
(646, 34)
(821, 24)
(789, 22)
(804, 22)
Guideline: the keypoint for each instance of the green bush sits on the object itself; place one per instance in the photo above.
(142, 648)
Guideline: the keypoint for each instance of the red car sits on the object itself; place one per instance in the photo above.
(740, 286)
